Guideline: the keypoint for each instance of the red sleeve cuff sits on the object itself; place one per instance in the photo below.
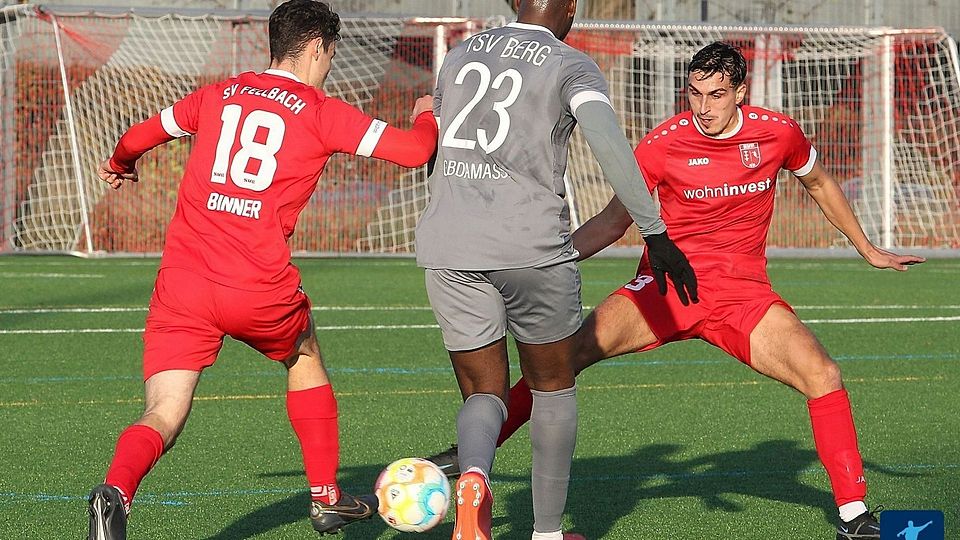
(409, 148)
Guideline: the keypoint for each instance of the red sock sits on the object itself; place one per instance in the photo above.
(138, 449)
(836, 440)
(520, 403)
(313, 414)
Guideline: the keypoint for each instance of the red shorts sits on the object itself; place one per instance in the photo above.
(734, 292)
(189, 316)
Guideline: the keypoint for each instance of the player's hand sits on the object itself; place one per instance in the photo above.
(667, 259)
(423, 104)
(881, 258)
(115, 178)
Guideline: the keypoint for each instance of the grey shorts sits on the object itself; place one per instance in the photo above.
(476, 308)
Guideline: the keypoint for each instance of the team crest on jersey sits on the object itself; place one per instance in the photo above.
(750, 155)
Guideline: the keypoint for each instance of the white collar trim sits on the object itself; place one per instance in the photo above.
(283, 73)
(722, 135)
(525, 26)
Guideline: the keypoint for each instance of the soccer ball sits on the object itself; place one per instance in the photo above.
(414, 494)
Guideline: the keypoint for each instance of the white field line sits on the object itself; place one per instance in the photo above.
(28, 331)
(155, 262)
(881, 320)
(881, 307)
(75, 263)
(45, 275)
(140, 309)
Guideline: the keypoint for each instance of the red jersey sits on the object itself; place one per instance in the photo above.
(716, 193)
(261, 143)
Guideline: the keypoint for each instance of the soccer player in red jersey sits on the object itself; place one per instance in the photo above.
(715, 168)
(261, 141)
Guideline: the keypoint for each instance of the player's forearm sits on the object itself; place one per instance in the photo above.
(832, 202)
(601, 230)
(409, 148)
(613, 152)
(136, 142)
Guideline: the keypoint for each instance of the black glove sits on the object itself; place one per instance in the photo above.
(666, 258)
(432, 163)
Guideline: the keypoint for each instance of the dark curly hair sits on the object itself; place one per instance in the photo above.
(296, 22)
(719, 57)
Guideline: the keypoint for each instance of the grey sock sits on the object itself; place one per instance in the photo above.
(553, 434)
(478, 426)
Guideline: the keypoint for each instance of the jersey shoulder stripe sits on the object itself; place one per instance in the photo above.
(668, 132)
(758, 118)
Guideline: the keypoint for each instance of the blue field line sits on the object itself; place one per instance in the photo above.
(177, 498)
(613, 363)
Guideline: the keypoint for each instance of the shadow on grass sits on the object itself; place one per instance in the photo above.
(605, 489)
(295, 509)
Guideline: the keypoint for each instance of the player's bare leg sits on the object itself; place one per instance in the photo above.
(312, 409)
(482, 371)
(168, 397)
(615, 327)
(782, 348)
(548, 369)
(483, 376)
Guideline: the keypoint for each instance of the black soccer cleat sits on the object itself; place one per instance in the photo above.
(448, 461)
(330, 518)
(108, 517)
(863, 527)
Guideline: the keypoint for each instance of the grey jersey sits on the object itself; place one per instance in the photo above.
(505, 100)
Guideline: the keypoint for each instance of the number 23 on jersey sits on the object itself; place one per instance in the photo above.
(450, 136)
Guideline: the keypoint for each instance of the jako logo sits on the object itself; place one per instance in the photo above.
(693, 162)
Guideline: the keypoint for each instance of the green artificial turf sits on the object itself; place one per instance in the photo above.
(681, 442)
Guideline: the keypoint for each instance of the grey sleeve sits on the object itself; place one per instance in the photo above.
(610, 147)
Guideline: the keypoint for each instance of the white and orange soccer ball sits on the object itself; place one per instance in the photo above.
(414, 495)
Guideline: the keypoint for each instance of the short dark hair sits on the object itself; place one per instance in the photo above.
(723, 58)
(296, 22)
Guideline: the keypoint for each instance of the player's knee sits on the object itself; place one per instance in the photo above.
(831, 376)
(823, 379)
(167, 423)
(551, 382)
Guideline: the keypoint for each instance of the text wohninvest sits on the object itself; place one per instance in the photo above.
(727, 190)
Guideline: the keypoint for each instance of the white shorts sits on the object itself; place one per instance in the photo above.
(476, 308)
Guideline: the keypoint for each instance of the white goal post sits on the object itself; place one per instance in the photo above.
(882, 106)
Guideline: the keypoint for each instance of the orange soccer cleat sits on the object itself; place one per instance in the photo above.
(474, 508)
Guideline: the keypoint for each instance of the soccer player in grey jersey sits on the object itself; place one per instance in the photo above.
(496, 246)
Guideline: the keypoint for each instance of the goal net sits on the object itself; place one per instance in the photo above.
(73, 81)
(881, 105)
